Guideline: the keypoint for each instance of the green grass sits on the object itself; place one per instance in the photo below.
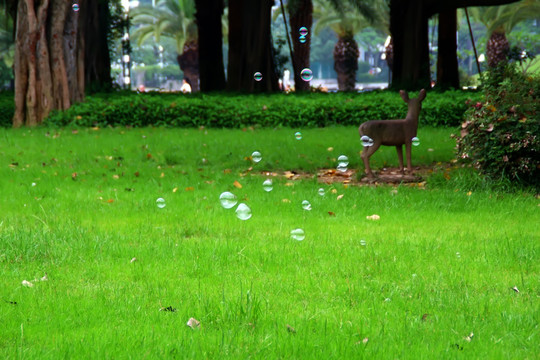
(452, 250)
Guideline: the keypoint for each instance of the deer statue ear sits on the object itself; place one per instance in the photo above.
(422, 95)
(404, 95)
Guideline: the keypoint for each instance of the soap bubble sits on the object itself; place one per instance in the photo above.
(366, 141)
(257, 76)
(227, 199)
(321, 191)
(302, 39)
(75, 7)
(303, 31)
(341, 167)
(306, 74)
(267, 185)
(298, 135)
(343, 159)
(298, 234)
(243, 212)
(306, 205)
(256, 156)
(160, 202)
(415, 141)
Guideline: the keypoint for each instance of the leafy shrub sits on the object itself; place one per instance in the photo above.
(501, 135)
(268, 110)
(7, 108)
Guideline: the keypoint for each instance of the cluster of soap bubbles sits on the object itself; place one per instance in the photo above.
(343, 163)
(229, 200)
(366, 141)
(303, 34)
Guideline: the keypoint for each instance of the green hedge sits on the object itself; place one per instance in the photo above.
(234, 111)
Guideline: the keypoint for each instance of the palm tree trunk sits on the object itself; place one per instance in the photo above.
(189, 64)
(346, 55)
(497, 48)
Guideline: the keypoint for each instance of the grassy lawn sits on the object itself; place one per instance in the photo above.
(433, 278)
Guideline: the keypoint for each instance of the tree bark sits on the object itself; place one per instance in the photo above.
(211, 69)
(409, 30)
(300, 15)
(97, 61)
(250, 47)
(189, 64)
(48, 60)
(447, 64)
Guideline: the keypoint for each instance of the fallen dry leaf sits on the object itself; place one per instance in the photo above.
(334, 191)
(339, 197)
(175, 190)
(331, 213)
(133, 260)
(27, 283)
(330, 149)
(193, 323)
(515, 289)
(115, 177)
(162, 175)
(290, 329)
(110, 201)
(469, 338)
(424, 317)
(190, 188)
(373, 217)
(365, 340)
(237, 184)
(227, 171)
(286, 200)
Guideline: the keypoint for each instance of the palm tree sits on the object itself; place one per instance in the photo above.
(174, 19)
(499, 21)
(346, 20)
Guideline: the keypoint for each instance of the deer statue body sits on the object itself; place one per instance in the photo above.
(392, 132)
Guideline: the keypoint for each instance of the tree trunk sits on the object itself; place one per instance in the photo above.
(97, 61)
(49, 61)
(346, 62)
(211, 69)
(300, 15)
(250, 47)
(189, 64)
(497, 48)
(447, 64)
(409, 29)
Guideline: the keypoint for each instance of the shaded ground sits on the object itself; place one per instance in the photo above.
(390, 175)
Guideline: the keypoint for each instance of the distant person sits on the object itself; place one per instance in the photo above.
(186, 87)
(286, 80)
(142, 88)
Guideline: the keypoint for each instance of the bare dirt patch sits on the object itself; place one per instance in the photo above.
(390, 175)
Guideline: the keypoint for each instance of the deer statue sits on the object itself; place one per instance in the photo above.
(392, 132)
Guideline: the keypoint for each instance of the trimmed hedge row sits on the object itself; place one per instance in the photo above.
(267, 110)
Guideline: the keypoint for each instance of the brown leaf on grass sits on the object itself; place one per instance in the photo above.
(331, 213)
(162, 175)
(74, 176)
(193, 323)
(110, 201)
(136, 174)
(148, 156)
(290, 329)
(425, 316)
(289, 174)
(190, 188)
(227, 171)
(237, 184)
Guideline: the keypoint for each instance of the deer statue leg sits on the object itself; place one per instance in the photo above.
(366, 154)
(408, 146)
(399, 149)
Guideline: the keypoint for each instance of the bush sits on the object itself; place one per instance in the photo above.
(7, 108)
(269, 110)
(500, 136)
